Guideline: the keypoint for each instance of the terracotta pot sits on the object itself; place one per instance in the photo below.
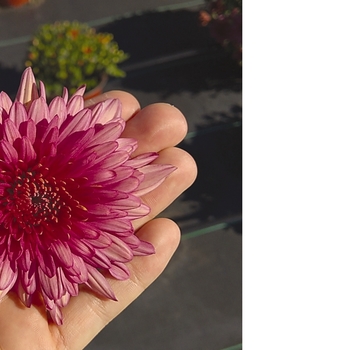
(13, 3)
(98, 90)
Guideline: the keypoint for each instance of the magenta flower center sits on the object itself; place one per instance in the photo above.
(37, 202)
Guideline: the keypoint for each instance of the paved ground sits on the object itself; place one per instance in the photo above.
(196, 303)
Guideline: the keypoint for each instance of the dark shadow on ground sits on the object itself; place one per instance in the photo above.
(9, 80)
(217, 149)
(164, 46)
(155, 34)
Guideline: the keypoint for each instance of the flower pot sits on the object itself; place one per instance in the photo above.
(98, 90)
(13, 3)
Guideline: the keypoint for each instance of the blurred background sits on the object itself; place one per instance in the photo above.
(187, 53)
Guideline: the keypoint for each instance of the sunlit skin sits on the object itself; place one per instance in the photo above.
(157, 127)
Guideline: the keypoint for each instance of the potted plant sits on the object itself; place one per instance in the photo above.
(71, 54)
(224, 18)
(13, 3)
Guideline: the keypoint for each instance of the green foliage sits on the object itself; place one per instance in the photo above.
(71, 54)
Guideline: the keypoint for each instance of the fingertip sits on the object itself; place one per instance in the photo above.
(163, 233)
(157, 126)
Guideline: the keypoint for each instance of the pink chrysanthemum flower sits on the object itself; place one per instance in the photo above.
(69, 191)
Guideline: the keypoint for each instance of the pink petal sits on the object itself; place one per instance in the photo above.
(58, 107)
(103, 241)
(9, 153)
(75, 105)
(56, 315)
(99, 260)
(65, 95)
(5, 101)
(27, 91)
(115, 160)
(10, 130)
(118, 251)
(127, 203)
(50, 285)
(102, 151)
(107, 111)
(155, 174)
(28, 280)
(25, 297)
(26, 151)
(74, 144)
(98, 209)
(4, 292)
(8, 277)
(139, 212)
(24, 262)
(80, 91)
(28, 129)
(85, 230)
(119, 271)
(78, 273)
(42, 90)
(38, 110)
(99, 284)
(18, 114)
(132, 241)
(145, 248)
(100, 177)
(71, 288)
(142, 159)
(72, 124)
(114, 226)
(63, 301)
(46, 263)
(51, 132)
(81, 248)
(128, 185)
(127, 145)
(109, 132)
(62, 252)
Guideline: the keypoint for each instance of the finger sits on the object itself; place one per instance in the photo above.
(176, 183)
(88, 314)
(156, 127)
(130, 105)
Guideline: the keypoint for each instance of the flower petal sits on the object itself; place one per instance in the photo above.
(26, 150)
(10, 130)
(155, 174)
(28, 90)
(142, 159)
(8, 276)
(107, 111)
(75, 105)
(145, 248)
(98, 283)
(39, 110)
(80, 122)
(28, 129)
(62, 253)
(18, 114)
(5, 102)
(119, 271)
(58, 107)
(8, 153)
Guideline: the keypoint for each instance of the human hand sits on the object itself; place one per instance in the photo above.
(158, 127)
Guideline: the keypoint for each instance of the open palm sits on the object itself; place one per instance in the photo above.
(158, 127)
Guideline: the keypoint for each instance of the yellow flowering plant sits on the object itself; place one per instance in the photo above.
(72, 54)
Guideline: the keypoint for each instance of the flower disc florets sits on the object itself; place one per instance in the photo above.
(69, 191)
